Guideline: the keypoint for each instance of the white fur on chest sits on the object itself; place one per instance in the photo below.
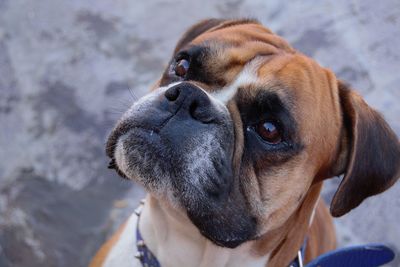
(124, 250)
(176, 252)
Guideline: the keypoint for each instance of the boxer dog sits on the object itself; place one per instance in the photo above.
(233, 144)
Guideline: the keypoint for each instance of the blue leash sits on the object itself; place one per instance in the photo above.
(370, 255)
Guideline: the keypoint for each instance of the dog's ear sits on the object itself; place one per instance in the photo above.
(206, 25)
(370, 157)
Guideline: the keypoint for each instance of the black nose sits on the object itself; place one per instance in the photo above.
(188, 98)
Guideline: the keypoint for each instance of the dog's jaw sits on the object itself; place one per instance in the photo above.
(158, 216)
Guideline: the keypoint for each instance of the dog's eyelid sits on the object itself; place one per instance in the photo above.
(182, 55)
(191, 53)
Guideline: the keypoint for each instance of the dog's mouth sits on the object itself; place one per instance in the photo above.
(184, 151)
(114, 140)
(113, 165)
(176, 134)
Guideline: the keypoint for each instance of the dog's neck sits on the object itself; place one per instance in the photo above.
(175, 241)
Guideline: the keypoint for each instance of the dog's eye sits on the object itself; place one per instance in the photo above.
(269, 132)
(181, 67)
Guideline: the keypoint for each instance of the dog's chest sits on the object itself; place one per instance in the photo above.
(123, 253)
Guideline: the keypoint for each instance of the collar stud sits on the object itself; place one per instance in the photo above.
(139, 255)
(138, 210)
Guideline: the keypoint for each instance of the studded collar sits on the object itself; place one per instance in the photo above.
(143, 253)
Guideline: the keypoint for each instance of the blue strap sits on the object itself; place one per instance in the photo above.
(145, 256)
(370, 255)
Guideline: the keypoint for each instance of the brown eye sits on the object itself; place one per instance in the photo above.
(269, 132)
(181, 67)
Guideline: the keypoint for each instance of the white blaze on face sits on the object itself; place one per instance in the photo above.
(247, 76)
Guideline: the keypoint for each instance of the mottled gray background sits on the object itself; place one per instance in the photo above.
(66, 71)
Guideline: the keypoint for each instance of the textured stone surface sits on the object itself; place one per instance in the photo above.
(68, 69)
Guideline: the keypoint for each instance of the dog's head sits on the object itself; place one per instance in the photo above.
(239, 127)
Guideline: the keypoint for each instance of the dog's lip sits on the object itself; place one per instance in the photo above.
(113, 140)
(142, 132)
(112, 144)
(228, 242)
(146, 129)
(114, 165)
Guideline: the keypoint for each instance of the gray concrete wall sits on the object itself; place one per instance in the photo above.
(66, 72)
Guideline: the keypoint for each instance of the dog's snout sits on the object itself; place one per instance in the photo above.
(191, 99)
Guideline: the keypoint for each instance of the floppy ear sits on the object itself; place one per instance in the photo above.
(372, 163)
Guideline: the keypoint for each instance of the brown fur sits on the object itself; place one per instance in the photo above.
(285, 241)
(338, 131)
(321, 234)
(373, 154)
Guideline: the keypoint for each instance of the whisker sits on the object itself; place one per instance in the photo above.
(116, 111)
(125, 103)
(120, 107)
(133, 95)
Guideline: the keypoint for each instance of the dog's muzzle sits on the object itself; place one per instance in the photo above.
(167, 134)
(178, 142)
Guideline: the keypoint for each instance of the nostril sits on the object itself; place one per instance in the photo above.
(191, 100)
(172, 94)
(192, 109)
(201, 111)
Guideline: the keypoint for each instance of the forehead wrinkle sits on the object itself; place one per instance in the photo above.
(301, 78)
(242, 52)
(232, 23)
(287, 86)
(246, 32)
(226, 61)
(274, 66)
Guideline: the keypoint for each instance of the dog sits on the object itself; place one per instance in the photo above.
(233, 144)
